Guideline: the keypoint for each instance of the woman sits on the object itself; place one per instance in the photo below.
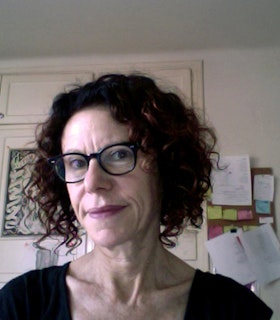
(121, 158)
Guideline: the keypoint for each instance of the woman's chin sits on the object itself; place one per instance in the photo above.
(109, 238)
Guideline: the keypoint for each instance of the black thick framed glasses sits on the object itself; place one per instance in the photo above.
(116, 159)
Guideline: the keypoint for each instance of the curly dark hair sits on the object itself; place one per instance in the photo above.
(166, 129)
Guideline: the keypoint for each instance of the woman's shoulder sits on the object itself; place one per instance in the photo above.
(38, 277)
(217, 285)
(217, 281)
(222, 295)
(33, 292)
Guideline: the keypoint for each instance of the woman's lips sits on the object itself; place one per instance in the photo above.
(104, 212)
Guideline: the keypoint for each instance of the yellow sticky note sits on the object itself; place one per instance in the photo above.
(214, 212)
(230, 214)
(248, 227)
(229, 228)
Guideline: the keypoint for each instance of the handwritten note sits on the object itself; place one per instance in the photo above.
(263, 251)
(232, 184)
(229, 258)
(247, 256)
(264, 187)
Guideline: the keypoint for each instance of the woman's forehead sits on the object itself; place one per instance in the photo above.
(94, 126)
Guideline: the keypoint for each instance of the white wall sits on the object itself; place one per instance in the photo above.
(242, 100)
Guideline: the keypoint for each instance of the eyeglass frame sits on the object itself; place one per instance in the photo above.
(96, 155)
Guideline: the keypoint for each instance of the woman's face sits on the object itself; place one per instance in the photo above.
(112, 209)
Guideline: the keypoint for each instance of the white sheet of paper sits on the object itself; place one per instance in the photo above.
(229, 258)
(264, 187)
(232, 185)
(263, 251)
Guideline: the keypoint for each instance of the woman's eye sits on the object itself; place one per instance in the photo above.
(76, 163)
(119, 155)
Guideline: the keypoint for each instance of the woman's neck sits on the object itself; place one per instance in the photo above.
(128, 273)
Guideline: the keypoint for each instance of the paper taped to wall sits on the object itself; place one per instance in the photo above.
(247, 256)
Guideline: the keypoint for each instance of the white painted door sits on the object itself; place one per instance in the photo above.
(19, 94)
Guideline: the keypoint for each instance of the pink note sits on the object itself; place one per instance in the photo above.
(214, 231)
(244, 215)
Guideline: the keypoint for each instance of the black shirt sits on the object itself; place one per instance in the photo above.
(42, 295)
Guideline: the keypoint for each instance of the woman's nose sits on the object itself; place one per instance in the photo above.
(96, 178)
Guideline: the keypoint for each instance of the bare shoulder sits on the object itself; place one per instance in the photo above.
(78, 274)
(77, 267)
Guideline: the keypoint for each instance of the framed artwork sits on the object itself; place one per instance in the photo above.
(20, 226)
(20, 217)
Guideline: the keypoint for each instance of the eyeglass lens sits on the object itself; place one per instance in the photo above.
(115, 160)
